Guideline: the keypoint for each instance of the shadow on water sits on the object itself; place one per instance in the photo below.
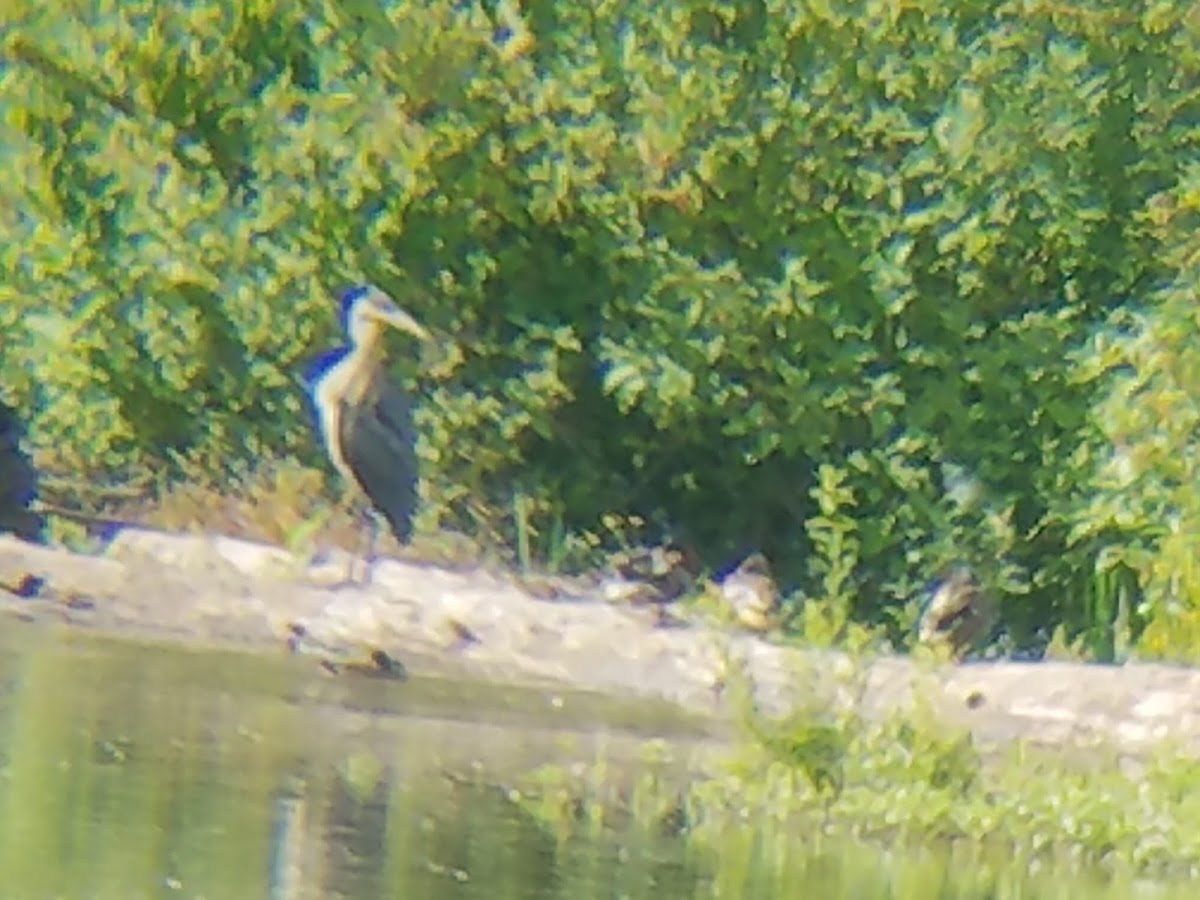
(134, 770)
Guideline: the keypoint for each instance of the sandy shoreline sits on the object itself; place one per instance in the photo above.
(478, 624)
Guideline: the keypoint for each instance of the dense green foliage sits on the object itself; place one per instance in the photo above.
(841, 281)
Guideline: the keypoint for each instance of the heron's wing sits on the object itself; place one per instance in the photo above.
(379, 445)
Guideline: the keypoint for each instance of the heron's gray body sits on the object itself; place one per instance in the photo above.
(368, 429)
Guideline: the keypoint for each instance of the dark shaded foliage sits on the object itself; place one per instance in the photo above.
(18, 480)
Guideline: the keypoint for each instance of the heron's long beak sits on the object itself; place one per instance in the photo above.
(384, 309)
(402, 321)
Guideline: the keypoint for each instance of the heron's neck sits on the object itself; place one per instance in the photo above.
(366, 343)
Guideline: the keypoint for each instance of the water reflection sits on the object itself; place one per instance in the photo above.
(135, 771)
(138, 771)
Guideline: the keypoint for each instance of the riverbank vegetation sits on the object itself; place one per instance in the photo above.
(821, 785)
(871, 287)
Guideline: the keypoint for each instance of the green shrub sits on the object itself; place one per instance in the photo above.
(688, 255)
(1147, 473)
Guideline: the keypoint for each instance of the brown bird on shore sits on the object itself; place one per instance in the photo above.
(959, 613)
(379, 663)
(751, 593)
(660, 574)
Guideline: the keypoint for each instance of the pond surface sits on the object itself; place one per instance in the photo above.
(136, 770)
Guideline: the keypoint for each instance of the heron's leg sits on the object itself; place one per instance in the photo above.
(372, 543)
(360, 512)
(370, 521)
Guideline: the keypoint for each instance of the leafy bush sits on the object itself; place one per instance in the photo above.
(1147, 470)
(689, 256)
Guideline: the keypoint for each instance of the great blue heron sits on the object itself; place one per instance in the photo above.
(364, 419)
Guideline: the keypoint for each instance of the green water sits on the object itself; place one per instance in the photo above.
(133, 771)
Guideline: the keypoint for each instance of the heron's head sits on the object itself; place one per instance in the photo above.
(366, 310)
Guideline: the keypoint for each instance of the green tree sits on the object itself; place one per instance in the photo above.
(689, 255)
